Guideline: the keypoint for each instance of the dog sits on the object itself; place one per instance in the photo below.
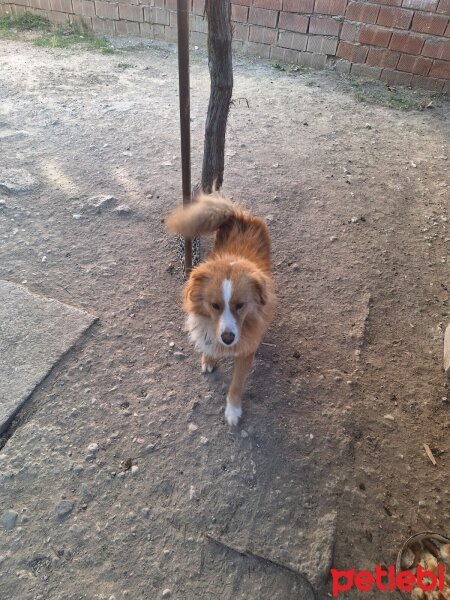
(229, 299)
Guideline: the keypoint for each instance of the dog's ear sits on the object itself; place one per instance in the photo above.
(194, 286)
(260, 286)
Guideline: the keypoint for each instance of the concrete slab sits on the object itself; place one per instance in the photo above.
(35, 332)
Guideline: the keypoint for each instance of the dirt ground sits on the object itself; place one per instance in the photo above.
(126, 479)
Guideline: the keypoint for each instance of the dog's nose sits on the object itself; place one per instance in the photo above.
(227, 337)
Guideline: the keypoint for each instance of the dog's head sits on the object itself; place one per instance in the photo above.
(230, 293)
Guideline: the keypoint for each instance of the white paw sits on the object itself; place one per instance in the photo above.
(233, 414)
(207, 368)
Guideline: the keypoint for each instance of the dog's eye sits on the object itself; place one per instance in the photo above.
(239, 305)
(215, 306)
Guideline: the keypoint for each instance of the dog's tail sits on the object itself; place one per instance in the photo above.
(205, 215)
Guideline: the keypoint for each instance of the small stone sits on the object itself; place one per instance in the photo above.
(77, 469)
(145, 512)
(244, 434)
(368, 126)
(134, 469)
(150, 448)
(63, 509)
(192, 427)
(77, 216)
(422, 504)
(171, 344)
(333, 238)
(122, 209)
(296, 354)
(92, 451)
(102, 202)
(8, 519)
(204, 440)
(389, 417)
(166, 593)
(179, 355)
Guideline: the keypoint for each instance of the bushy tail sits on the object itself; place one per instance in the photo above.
(205, 215)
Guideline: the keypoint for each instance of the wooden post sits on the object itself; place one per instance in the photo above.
(221, 72)
(185, 115)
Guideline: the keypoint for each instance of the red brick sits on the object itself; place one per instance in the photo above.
(196, 22)
(349, 31)
(406, 42)
(85, 8)
(103, 26)
(330, 7)
(342, 66)
(391, 16)
(447, 31)
(130, 12)
(239, 13)
(273, 4)
(324, 25)
(262, 50)
(366, 71)
(240, 32)
(441, 69)
(444, 7)
(127, 28)
(64, 6)
(293, 22)
(157, 16)
(435, 49)
(298, 6)
(362, 12)
(284, 54)
(374, 36)
(352, 52)
(393, 77)
(428, 83)
(319, 44)
(293, 41)
(432, 24)
(81, 23)
(262, 16)
(45, 5)
(312, 61)
(244, 2)
(171, 4)
(414, 64)
(429, 5)
(263, 35)
(107, 10)
(388, 2)
(379, 57)
(198, 7)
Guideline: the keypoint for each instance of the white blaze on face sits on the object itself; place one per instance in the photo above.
(227, 321)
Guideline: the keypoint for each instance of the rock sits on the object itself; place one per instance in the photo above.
(86, 493)
(389, 417)
(204, 440)
(103, 202)
(93, 448)
(422, 504)
(447, 351)
(134, 470)
(63, 509)
(166, 593)
(77, 216)
(192, 427)
(8, 519)
(145, 512)
(244, 434)
(16, 181)
(179, 355)
(122, 209)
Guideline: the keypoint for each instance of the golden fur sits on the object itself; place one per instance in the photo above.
(230, 295)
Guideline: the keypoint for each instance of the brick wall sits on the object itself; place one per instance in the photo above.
(398, 41)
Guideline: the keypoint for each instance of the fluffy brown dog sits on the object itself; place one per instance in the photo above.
(229, 299)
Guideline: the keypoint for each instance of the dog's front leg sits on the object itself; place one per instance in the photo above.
(208, 364)
(242, 367)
